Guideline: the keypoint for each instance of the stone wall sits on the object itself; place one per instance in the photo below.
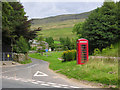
(18, 57)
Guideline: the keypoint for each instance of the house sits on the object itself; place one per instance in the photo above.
(39, 45)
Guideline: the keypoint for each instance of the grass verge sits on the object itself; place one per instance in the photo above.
(25, 62)
(103, 71)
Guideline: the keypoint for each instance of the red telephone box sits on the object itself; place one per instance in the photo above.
(82, 51)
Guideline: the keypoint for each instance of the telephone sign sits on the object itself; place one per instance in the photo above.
(82, 51)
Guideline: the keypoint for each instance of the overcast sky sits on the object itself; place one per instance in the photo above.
(47, 9)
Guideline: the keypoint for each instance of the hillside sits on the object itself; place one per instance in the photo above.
(59, 18)
(59, 26)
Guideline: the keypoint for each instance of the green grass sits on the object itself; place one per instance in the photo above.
(56, 33)
(111, 52)
(25, 62)
(57, 42)
(95, 70)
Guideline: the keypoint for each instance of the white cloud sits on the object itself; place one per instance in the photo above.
(63, 0)
(47, 9)
(42, 9)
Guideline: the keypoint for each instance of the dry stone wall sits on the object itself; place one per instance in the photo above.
(18, 57)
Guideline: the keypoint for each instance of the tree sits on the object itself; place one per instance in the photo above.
(67, 43)
(15, 24)
(78, 28)
(40, 38)
(118, 14)
(7, 28)
(101, 27)
(49, 40)
(22, 46)
(21, 24)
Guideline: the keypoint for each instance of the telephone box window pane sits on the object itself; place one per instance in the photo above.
(83, 54)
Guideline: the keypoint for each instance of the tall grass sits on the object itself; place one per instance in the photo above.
(112, 51)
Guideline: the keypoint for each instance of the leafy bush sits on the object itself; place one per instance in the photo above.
(21, 46)
(97, 51)
(69, 55)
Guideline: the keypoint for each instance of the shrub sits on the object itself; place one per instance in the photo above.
(69, 55)
(97, 51)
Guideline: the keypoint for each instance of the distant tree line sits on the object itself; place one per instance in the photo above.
(50, 41)
(15, 24)
(102, 28)
(67, 43)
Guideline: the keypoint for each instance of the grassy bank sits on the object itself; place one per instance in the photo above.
(25, 61)
(103, 71)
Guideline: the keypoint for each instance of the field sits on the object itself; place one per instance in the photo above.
(61, 24)
(58, 29)
(66, 20)
(56, 33)
(103, 71)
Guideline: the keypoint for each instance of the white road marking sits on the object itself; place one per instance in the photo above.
(74, 87)
(45, 84)
(63, 85)
(34, 82)
(29, 80)
(38, 73)
(17, 79)
(50, 83)
(57, 86)
(41, 82)
(32, 65)
(12, 77)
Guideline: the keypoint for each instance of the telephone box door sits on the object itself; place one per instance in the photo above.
(82, 51)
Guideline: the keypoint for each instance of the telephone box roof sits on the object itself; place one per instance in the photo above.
(82, 39)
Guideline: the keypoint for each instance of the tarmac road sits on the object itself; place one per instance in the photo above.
(35, 75)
